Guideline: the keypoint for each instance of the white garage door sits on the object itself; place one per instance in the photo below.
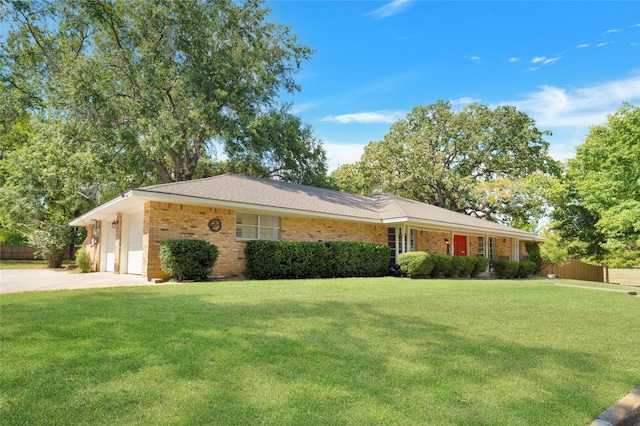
(134, 256)
(111, 248)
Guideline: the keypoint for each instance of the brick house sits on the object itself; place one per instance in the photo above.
(124, 234)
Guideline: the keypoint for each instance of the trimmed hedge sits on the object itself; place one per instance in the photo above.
(416, 264)
(289, 260)
(480, 266)
(462, 266)
(506, 268)
(526, 268)
(510, 269)
(442, 266)
(424, 264)
(188, 259)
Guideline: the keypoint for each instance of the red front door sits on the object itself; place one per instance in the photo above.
(459, 245)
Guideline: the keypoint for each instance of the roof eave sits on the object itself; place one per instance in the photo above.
(476, 230)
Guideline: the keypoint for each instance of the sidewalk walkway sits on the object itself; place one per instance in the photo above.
(17, 280)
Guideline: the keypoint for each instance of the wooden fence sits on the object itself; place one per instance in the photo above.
(15, 252)
(576, 270)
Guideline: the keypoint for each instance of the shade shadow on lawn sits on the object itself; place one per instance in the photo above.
(142, 357)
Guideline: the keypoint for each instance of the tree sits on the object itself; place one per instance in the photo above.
(159, 82)
(489, 163)
(39, 191)
(134, 93)
(600, 219)
(279, 146)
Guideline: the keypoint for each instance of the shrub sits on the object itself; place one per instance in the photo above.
(441, 266)
(356, 259)
(480, 265)
(506, 268)
(462, 266)
(51, 241)
(282, 259)
(526, 268)
(416, 264)
(533, 250)
(83, 260)
(188, 259)
(468, 266)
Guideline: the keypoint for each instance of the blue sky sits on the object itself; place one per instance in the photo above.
(566, 64)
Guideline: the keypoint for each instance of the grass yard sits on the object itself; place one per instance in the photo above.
(340, 352)
(29, 264)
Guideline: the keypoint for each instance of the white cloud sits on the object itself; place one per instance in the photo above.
(390, 9)
(582, 46)
(578, 107)
(465, 101)
(474, 58)
(544, 60)
(514, 59)
(339, 154)
(366, 117)
(614, 30)
(304, 106)
(601, 44)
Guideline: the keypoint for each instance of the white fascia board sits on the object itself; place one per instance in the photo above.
(471, 230)
(106, 211)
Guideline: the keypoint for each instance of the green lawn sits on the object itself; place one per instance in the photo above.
(340, 352)
(29, 264)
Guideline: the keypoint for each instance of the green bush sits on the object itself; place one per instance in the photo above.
(462, 266)
(480, 266)
(533, 250)
(356, 259)
(468, 266)
(506, 268)
(442, 265)
(416, 264)
(188, 259)
(283, 259)
(526, 268)
(83, 260)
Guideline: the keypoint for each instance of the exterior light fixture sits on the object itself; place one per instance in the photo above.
(114, 224)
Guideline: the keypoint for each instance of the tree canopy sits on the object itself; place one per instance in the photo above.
(133, 93)
(492, 163)
(600, 215)
(159, 82)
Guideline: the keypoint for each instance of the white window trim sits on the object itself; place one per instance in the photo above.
(259, 227)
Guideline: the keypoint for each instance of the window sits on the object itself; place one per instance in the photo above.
(413, 237)
(257, 227)
(492, 248)
(481, 248)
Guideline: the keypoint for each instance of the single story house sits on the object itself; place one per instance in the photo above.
(124, 234)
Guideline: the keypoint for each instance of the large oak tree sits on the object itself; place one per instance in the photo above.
(492, 163)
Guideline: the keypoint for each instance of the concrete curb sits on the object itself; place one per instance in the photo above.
(625, 412)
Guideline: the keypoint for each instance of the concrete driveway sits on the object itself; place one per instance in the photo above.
(17, 280)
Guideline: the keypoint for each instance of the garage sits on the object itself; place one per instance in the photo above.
(134, 252)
